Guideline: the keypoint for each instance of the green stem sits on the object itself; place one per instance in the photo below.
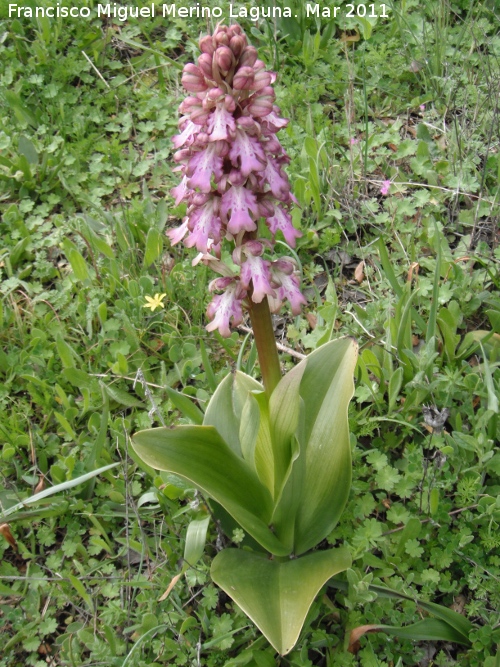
(263, 332)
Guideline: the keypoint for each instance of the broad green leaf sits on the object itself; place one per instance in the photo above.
(395, 384)
(326, 389)
(185, 405)
(207, 366)
(122, 397)
(285, 513)
(27, 149)
(196, 537)
(276, 596)
(154, 246)
(255, 438)
(67, 354)
(199, 454)
(80, 589)
(226, 406)
(284, 417)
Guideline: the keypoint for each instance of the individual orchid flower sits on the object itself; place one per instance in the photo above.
(232, 176)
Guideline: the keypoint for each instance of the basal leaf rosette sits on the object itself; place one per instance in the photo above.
(280, 466)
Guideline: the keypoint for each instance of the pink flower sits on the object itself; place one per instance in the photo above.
(241, 202)
(255, 271)
(205, 226)
(282, 220)
(221, 125)
(288, 284)
(225, 308)
(384, 190)
(247, 153)
(202, 166)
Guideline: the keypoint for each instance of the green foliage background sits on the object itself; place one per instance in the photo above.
(87, 109)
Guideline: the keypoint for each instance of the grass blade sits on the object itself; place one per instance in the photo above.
(64, 486)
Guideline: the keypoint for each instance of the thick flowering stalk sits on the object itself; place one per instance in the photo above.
(231, 164)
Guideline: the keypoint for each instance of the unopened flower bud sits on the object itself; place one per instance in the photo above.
(199, 198)
(235, 29)
(224, 59)
(199, 116)
(261, 105)
(237, 44)
(229, 103)
(266, 208)
(207, 45)
(193, 79)
(235, 177)
(205, 65)
(261, 80)
(189, 104)
(222, 38)
(244, 78)
(285, 264)
(248, 124)
(215, 93)
(248, 56)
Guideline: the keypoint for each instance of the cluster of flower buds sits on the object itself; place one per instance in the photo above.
(232, 176)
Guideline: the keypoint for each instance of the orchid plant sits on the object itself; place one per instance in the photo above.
(272, 457)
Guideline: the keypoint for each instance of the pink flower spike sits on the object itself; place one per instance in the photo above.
(282, 220)
(225, 308)
(256, 271)
(221, 125)
(422, 107)
(249, 152)
(201, 167)
(384, 190)
(241, 202)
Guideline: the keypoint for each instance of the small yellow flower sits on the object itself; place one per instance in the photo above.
(155, 302)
